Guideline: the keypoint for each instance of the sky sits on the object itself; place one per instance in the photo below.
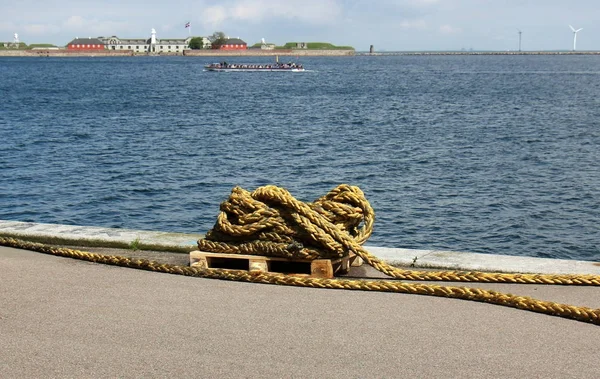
(388, 25)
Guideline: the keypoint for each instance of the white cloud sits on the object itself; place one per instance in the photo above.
(93, 27)
(40, 29)
(449, 29)
(423, 2)
(413, 24)
(7, 26)
(74, 22)
(390, 24)
(214, 15)
(254, 11)
(404, 4)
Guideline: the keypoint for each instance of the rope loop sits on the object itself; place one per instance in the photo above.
(270, 221)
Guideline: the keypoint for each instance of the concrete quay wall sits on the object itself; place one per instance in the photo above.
(187, 53)
(273, 53)
(92, 236)
(63, 53)
(268, 53)
(391, 53)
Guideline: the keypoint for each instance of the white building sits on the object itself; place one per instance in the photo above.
(150, 45)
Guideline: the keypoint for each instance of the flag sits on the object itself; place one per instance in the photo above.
(187, 24)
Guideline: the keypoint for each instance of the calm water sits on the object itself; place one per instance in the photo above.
(490, 154)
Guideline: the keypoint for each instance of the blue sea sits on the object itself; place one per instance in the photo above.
(486, 154)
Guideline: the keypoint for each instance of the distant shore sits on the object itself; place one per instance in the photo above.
(187, 53)
(387, 53)
(270, 53)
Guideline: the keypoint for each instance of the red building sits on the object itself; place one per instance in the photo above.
(86, 44)
(232, 44)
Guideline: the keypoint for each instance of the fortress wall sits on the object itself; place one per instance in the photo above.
(62, 53)
(14, 53)
(189, 53)
(270, 53)
(267, 53)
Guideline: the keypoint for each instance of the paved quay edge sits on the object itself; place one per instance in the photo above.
(399, 257)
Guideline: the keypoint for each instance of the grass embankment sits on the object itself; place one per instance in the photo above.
(24, 46)
(309, 46)
(317, 46)
(41, 45)
(9, 46)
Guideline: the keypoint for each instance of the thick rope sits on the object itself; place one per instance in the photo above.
(271, 222)
(583, 314)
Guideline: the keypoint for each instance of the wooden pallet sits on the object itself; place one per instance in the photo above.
(318, 268)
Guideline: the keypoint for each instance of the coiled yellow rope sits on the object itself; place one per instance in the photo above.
(325, 231)
(270, 221)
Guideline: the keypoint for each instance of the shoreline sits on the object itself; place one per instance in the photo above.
(185, 53)
(392, 53)
(91, 236)
(273, 53)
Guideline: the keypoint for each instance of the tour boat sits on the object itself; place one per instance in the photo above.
(273, 67)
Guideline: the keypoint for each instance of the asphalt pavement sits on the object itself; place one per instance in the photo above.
(61, 317)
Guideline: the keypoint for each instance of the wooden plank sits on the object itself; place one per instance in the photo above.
(197, 253)
(198, 259)
(355, 260)
(321, 268)
(258, 264)
(318, 268)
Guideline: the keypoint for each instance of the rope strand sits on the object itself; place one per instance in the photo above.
(583, 314)
(270, 221)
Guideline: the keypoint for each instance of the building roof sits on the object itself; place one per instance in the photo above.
(140, 41)
(86, 41)
(234, 41)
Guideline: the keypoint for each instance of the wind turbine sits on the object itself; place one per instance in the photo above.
(575, 36)
(520, 32)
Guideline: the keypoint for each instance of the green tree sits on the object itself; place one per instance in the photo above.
(196, 43)
(217, 39)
